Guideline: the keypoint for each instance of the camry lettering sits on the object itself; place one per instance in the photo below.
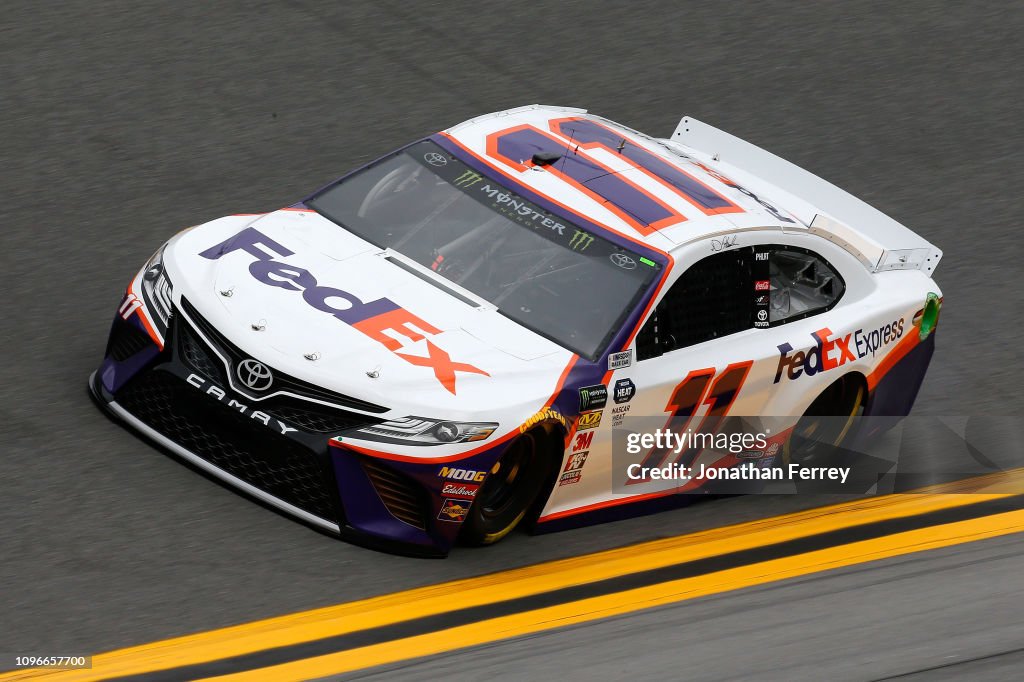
(219, 393)
(381, 319)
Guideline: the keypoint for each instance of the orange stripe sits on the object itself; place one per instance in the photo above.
(898, 352)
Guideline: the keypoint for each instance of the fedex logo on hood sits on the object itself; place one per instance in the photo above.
(372, 318)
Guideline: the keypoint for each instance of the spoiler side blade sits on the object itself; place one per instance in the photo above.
(880, 242)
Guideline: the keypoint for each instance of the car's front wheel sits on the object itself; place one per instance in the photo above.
(509, 491)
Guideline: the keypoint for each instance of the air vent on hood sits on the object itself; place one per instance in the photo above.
(408, 267)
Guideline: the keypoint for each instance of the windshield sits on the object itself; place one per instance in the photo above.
(537, 268)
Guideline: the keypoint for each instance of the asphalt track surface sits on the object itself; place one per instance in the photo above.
(122, 123)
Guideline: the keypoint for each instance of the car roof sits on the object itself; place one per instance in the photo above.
(650, 190)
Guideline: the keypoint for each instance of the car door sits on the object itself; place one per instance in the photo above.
(709, 349)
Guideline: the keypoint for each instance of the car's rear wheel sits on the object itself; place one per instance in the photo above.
(509, 491)
(828, 422)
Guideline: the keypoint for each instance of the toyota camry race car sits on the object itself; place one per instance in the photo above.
(441, 344)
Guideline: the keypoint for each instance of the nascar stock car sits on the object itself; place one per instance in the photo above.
(440, 344)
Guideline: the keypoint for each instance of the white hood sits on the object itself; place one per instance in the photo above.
(274, 273)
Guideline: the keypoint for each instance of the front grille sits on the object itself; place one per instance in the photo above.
(398, 493)
(282, 382)
(126, 340)
(196, 354)
(231, 442)
(309, 416)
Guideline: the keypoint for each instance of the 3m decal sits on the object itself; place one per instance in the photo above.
(583, 441)
(379, 319)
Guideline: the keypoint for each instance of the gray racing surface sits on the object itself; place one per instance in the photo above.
(949, 614)
(121, 123)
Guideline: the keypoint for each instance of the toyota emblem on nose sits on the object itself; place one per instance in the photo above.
(254, 375)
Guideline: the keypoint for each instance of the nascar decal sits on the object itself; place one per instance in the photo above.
(372, 318)
(624, 390)
(829, 353)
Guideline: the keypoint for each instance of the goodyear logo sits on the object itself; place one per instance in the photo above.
(544, 415)
(588, 420)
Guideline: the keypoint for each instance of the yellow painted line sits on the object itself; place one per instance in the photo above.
(627, 601)
(408, 605)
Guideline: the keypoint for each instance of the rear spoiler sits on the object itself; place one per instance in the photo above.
(877, 240)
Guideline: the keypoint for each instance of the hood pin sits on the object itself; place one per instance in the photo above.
(227, 293)
(312, 357)
(259, 326)
(374, 373)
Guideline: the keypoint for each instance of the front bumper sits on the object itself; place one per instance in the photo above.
(179, 398)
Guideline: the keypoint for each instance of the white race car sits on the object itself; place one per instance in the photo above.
(441, 344)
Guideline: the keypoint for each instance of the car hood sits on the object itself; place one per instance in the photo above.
(308, 298)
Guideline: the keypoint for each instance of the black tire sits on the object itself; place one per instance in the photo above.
(509, 491)
(828, 422)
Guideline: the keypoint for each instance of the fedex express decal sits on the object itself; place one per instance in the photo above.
(372, 318)
(829, 353)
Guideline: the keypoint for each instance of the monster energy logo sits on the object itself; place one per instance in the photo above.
(580, 241)
(468, 179)
(593, 397)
